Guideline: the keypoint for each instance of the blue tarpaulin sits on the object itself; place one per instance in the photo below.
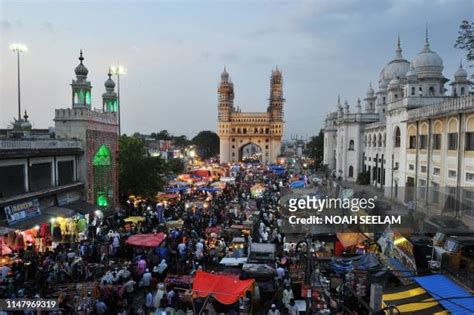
(210, 189)
(448, 293)
(297, 184)
(176, 189)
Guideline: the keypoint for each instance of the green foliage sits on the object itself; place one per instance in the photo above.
(175, 166)
(139, 173)
(363, 178)
(207, 143)
(180, 142)
(315, 148)
(162, 135)
(465, 40)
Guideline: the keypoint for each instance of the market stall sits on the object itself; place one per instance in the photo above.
(146, 240)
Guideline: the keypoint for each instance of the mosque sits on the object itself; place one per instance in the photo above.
(413, 140)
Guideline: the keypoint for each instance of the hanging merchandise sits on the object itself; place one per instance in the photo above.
(57, 234)
(81, 225)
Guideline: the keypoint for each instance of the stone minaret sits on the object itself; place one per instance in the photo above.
(81, 88)
(276, 96)
(226, 97)
(109, 98)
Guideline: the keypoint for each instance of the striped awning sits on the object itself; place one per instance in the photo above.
(413, 299)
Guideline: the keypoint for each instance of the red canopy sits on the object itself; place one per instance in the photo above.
(146, 240)
(227, 289)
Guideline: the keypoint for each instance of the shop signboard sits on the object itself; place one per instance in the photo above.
(22, 211)
(297, 272)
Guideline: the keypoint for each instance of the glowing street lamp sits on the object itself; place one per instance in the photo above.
(18, 48)
(118, 70)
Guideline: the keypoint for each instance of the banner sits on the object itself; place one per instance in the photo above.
(22, 211)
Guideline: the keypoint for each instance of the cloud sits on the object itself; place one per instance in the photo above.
(264, 31)
(5, 24)
(229, 57)
(260, 60)
(48, 26)
(9, 24)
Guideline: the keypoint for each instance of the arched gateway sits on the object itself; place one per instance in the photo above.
(238, 129)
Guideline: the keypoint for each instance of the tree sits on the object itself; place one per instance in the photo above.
(315, 148)
(163, 135)
(180, 141)
(207, 143)
(139, 173)
(465, 40)
(363, 178)
(175, 166)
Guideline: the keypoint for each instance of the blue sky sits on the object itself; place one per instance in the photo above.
(175, 51)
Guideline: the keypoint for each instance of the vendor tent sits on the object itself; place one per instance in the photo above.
(134, 219)
(412, 299)
(226, 289)
(297, 184)
(146, 240)
(351, 239)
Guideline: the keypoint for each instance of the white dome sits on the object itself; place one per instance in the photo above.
(411, 74)
(397, 68)
(370, 90)
(460, 74)
(428, 63)
(394, 83)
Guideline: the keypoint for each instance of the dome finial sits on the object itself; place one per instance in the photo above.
(25, 116)
(80, 56)
(338, 99)
(398, 51)
(110, 73)
(460, 63)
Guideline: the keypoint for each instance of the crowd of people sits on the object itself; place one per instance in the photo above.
(103, 275)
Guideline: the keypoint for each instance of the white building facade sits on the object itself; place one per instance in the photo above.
(414, 139)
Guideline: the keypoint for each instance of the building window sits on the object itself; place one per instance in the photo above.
(431, 91)
(451, 174)
(452, 141)
(436, 171)
(469, 141)
(40, 176)
(412, 142)
(423, 169)
(462, 91)
(468, 202)
(396, 166)
(65, 172)
(351, 171)
(434, 192)
(437, 141)
(423, 141)
(411, 167)
(12, 181)
(470, 177)
(397, 137)
(351, 145)
(413, 90)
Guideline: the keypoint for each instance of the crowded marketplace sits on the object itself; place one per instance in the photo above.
(214, 242)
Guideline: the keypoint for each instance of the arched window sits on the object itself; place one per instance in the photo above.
(370, 141)
(431, 91)
(102, 165)
(245, 131)
(374, 141)
(351, 171)
(76, 98)
(462, 91)
(397, 137)
(380, 140)
(412, 90)
(351, 145)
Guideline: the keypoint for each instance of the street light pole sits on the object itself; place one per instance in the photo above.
(118, 70)
(18, 48)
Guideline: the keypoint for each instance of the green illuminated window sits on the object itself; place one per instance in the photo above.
(81, 96)
(102, 199)
(88, 97)
(102, 157)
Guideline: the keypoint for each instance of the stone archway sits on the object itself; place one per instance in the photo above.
(250, 151)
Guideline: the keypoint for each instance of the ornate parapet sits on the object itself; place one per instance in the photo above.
(85, 114)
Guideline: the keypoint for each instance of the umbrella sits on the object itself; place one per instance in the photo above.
(135, 219)
(146, 240)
